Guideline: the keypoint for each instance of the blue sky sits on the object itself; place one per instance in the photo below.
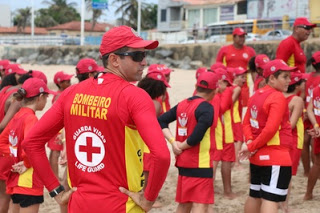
(16, 4)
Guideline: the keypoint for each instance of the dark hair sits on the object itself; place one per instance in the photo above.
(276, 75)
(154, 88)
(292, 87)
(316, 66)
(21, 95)
(252, 64)
(82, 76)
(105, 57)
(24, 77)
(9, 80)
(203, 90)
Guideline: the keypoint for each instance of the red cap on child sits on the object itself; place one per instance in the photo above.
(276, 65)
(61, 76)
(210, 78)
(14, 68)
(35, 86)
(200, 70)
(158, 76)
(40, 75)
(87, 65)
(159, 68)
(3, 64)
(261, 60)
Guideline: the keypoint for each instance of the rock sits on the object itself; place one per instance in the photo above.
(185, 63)
(196, 64)
(163, 53)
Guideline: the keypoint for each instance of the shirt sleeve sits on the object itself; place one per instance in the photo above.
(143, 115)
(284, 52)
(34, 143)
(204, 115)
(168, 117)
(247, 127)
(275, 106)
(220, 54)
(226, 100)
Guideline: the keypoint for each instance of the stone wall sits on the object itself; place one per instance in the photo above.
(186, 56)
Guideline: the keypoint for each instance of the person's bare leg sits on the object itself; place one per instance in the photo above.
(305, 154)
(64, 182)
(268, 206)
(54, 158)
(313, 177)
(237, 147)
(184, 208)
(226, 180)
(285, 204)
(4, 198)
(15, 208)
(252, 205)
(30, 209)
(200, 208)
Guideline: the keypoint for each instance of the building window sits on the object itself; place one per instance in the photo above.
(242, 8)
(226, 13)
(210, 16)
(175, 14)
(193, 18)
(163, 17)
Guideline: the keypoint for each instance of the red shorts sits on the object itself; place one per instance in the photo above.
(55, 143)
(316, 146)
(6, 163)
(195, 189)
(307, 124)
(228, 152)
(216, 154)
(146, 161)
(237, 132)
(295, 155)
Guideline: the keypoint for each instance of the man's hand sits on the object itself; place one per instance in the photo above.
(19, 167)
(138, 198)
(244, 153)
(175, 148)
(63, 197)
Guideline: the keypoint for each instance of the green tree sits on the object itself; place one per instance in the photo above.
(149, 17)
(22, 19)
(61, 11)
(44, 19)
(96, 14)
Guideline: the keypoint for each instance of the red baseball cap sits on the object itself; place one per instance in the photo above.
(224, 75)
(159, 68)
(239, 31)
(261, 60)
(3, 64)
(87, 65)
(210, 78)
(238, 71)
(124, 36)
(14, 68)
(35, 86)
(276, 65)
(156, 75)
(200, 70)
(217, 65)
(40, 75)
(316, 57)
(297, 76)
(303, 21)
(61, 76)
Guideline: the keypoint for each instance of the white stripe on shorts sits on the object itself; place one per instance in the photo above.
(272, 188)
(255, 187)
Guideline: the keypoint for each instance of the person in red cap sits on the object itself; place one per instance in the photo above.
(165, 104)
(86, 68)
(192, 145)
(290, 50)
(296, 105)
(217, 65)
(3, 65)
(313, 110)
(199, 71)
(22, 182)
(237, 55)
(268, 138)
(104, 118)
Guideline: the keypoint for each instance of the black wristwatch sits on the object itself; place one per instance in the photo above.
(56, 191)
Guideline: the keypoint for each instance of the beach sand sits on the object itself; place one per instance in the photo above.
(182, 86)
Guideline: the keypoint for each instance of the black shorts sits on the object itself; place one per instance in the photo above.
(26, 200)
(270, 182)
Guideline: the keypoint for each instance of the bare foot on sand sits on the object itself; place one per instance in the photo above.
(157, 204)
(230, 196)
(308, 197)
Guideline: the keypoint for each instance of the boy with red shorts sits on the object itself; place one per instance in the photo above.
(192, 145)
(268, 134)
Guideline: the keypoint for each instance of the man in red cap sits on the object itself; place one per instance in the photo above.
(290, 50)
(86, 68)
(192, 145)
(237, 55)
(268, 138)
(107, 120)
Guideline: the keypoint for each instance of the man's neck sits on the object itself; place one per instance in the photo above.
(238, 46)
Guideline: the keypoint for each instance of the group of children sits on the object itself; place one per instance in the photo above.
(22, 93)
(284, 103)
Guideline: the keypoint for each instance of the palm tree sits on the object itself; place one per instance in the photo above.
(61, 11)
(22, 19)
(96, 14)
(44, 19)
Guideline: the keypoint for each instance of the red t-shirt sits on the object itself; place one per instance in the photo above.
(103, 126)
(291, 52)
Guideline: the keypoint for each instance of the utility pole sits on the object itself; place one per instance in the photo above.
(82, 22)
(32, 21)
(139, 17)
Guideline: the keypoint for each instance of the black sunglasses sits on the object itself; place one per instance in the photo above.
(305, 27)
(136, 56)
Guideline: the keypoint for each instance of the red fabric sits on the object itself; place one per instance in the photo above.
(55, 143)
(316, 146)
(5, 93)
(237, 132)
(129, 108)
(216, 155)
(295, 155)
(234, 57)
(6, 163)
(291, 47)
(228, 152)
(271, 109)
(165, 105)
(196, 190)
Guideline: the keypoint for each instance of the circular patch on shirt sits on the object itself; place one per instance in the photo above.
(245, 55)
(89, 149)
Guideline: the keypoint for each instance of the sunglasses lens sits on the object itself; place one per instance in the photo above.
(138, 56)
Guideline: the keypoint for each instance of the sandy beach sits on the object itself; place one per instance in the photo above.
(182, 86)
